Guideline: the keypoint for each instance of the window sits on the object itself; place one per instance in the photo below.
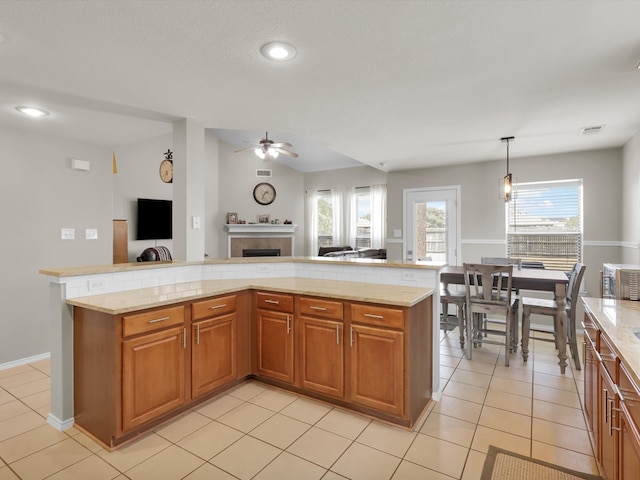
(544, 223)
(324, 208)
(363, 217)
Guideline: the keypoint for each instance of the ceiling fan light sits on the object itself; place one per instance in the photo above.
(260, 153)
(273, 153)
(32, 111)
(278, 51)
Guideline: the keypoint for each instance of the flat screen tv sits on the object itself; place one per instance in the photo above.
(154, 219)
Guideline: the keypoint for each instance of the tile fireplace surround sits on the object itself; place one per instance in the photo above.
(260, 236)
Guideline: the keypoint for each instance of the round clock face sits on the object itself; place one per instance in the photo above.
(264, 193)
(166, 171)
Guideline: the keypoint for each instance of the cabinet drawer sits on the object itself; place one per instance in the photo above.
(214, 307)
(373, 315)
(317, 307)
(275, 301)
(608, 358)
(150, 321)
(630, 394)
(590, 330)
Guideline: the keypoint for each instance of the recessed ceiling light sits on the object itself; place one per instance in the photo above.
(278, 51)
(33, 111)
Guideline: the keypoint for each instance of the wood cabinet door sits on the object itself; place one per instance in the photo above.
(274, 345)
(629, 455)
(590, 386)
(377, 368)
(322, 356)
(608, 444)
(213, 353)
(153, 380)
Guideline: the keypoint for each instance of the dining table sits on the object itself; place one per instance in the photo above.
(536, 279)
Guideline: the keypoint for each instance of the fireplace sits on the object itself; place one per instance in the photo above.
(260, 252)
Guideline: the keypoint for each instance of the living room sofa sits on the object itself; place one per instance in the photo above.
(347, 251)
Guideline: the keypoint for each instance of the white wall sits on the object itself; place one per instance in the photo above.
(631, 202)
(40, 195)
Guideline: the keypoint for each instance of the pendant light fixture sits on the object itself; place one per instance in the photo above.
(507, 182)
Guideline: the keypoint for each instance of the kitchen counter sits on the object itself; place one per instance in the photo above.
(130, 300)
(619, 320)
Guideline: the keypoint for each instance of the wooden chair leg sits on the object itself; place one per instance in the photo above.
(526, 324)
(461, 325)
(507, 343)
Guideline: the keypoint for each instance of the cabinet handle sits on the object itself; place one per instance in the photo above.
(198, 334)
(337, 334)
(605, 398)
(159, 320)
(275, 302)
(288, 324)
(614, 409)
(184, 338)
(351, 336)
(322, 309)
(371, 315)
(215, 307)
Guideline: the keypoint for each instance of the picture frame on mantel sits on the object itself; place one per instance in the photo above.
(232, 218)
(264, 218)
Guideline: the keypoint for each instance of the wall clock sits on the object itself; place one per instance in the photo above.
(264, 193)
(166, 171)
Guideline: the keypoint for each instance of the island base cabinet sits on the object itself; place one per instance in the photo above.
(377, 368)
(153, 379)
(322, 356)
(213, 354)
(274, 357)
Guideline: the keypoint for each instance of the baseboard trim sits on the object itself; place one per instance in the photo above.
(24, 361)
(58, 424)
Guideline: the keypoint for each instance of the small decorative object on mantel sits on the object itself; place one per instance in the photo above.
(263, 218)
(287, 222)
(232, 218)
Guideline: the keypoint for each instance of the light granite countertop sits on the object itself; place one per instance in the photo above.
(126, 267)
(619, 320)
(131, 300)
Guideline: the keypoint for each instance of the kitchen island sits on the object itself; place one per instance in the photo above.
(116, 290)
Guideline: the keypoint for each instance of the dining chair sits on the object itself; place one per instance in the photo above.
(488, 291)
(449, 296)
(542, 306)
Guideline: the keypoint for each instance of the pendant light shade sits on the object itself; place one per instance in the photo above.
(507, 182)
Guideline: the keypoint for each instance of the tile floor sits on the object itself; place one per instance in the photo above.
(258, 432)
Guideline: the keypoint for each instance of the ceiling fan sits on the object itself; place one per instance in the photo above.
(266, 149)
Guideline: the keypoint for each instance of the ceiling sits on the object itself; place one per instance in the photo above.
(393, 84)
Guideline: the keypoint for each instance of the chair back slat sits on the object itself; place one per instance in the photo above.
(488, 283)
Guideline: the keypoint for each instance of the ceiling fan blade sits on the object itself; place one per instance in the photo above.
(281, 144)
(244, 149)
(286, 152)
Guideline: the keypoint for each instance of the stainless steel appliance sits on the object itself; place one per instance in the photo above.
(620, 281)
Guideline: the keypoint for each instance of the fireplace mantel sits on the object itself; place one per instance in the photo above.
(260, 236)
(260, 228)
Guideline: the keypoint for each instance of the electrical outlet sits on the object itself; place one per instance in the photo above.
(264, 268)
(68, 233)
(96, 284)
(408, 275)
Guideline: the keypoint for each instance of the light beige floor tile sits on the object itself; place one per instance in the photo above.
(50, 460)
(273, 399)
(387, 438)
(449, 361)
(86, 442)
(554, 395)
(360, 462)
(248, 390)
(516, 387)
(43, 411)
(319, 446)
(280, 431)
(476, 366)
(411, 471)
(183, 426)
(290, 466)
(484, 355)
(514, 373)
(37, 400)
(465, 391)
(439, 455)
(12, 409)
(509, 422)
(451, 351)
(246, 457)
(565, 458)
(458, 408)
(305, 410)
(26, 443)
(509, 402)
(472, 378)
(6, 397)
(13, 371)
(210, 440)
(7, 474)
(171, 463)
(131, 454)
(488, 436)
(333, 476)
(473, 466)
(29, 375)
(209, 472)
(30, 388)
(220, 406)
(42, 365)
(449, 428)
(246, 417)
(446, 372)
(555, 381)
(92, 467)
(563, 436)
(344, 423)
(553, 412)
(552, 368)
(19, 424)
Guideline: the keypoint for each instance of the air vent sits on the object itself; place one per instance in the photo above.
(263, 173)
(594, 130)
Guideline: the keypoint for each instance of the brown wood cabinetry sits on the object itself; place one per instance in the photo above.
(612, 407)
(274, 336)
(120, 241)
(321, 346)
(213, 349)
